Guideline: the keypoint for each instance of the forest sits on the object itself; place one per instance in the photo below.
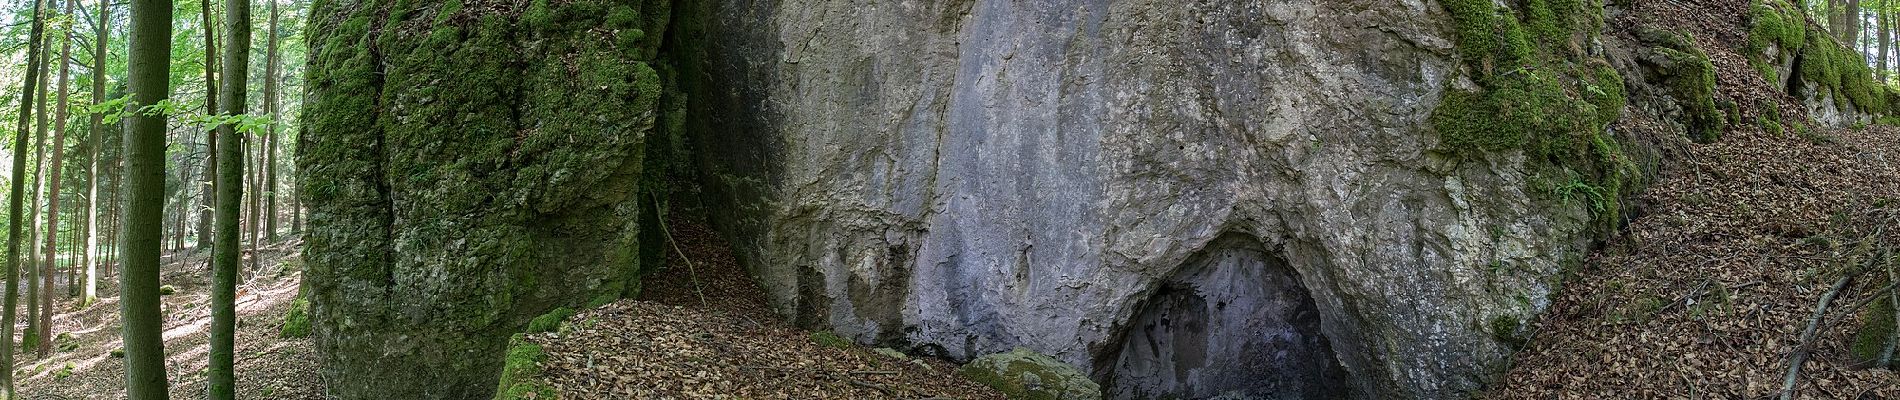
(950, 199)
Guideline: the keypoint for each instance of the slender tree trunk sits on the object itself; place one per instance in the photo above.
(52, 191)
(271, 71)
(237, 27)
(252, 149)
(39, 174)
(91, 292)
(208, 185)
(1880, 18)
(16, 200)
(1853, 24)
(149, 80)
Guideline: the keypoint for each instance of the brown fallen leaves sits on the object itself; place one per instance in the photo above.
(670, 346)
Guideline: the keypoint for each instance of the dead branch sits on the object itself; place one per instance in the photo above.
(1801, 351)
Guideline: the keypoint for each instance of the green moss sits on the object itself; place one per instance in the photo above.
(551, 321)
(297, 319)
(166, 290)
(1023, 374)
(828, 339)
(1506, 329)
(1877, 325)
(1536, 92)
(520, 372)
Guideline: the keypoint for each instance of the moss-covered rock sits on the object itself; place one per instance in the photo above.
(469, 165)
(1871, 339)
(521, 370)
(1537, 92)
(551, 321)
(297, 319)
(1685, 69)
(1024, 374)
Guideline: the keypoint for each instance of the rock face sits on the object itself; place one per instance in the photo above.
(468, 165)
(1180, 197)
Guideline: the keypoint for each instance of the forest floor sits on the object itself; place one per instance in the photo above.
(702, 329)
(1711, 290)
(271, 366)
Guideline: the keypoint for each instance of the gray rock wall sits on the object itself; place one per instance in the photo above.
(963, 177)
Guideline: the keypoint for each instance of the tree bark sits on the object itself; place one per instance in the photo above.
(149, 47)
(91, 291)
(52, 192)
(224, 265)
(33, 288)
(271, 70)
(1854, 18)
(208, 185)
(1886, 39)
(16, 199)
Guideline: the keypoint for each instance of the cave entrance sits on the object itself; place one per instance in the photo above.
(1235, 323)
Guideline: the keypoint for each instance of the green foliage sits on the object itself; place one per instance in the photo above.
(551, 321)
(828, 339)
(64, 371)
(520, 371)
(166, 290)
(297, 320)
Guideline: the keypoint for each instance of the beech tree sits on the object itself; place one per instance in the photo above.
(15, 199)
(149, 49)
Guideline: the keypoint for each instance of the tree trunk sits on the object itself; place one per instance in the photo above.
(52, 193)
(208, 185)
(224, 266)
(16, 200)
(271, 69)
(148, 77)
(33, 288)
(1835, 18)
(1853, 24)
(1880, 17)
(91, 291)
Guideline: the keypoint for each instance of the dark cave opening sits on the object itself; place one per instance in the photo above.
(1235, 323)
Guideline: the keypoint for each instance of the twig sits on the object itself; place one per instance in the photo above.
(874, 372)
(880, 388)
(1800, 355)
(1688, 297)
(692, 272)
(1864, 392)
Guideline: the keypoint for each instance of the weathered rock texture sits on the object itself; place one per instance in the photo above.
(959, 178)
(469, 164)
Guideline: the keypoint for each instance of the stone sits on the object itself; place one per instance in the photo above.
(470, 165)
(1024, 374)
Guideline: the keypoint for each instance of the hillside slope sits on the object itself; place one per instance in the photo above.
(1709, 291)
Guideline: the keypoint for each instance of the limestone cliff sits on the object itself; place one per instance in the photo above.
(1189, 198)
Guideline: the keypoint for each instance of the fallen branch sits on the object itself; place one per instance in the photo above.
(1801, 351)
(874, 372)
(694, 273)
(887, 391)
